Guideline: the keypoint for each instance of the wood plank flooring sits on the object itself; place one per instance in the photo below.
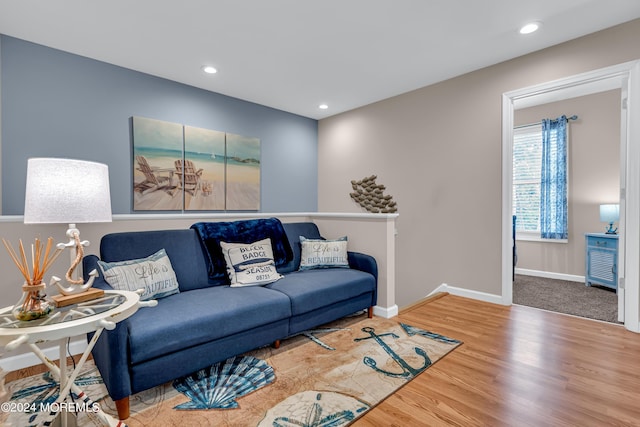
(518, 366)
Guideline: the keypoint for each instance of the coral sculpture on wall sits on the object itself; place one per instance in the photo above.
(371, 196)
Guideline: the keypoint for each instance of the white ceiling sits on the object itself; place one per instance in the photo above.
(296, 54)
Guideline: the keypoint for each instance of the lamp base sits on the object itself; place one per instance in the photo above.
(611, 230)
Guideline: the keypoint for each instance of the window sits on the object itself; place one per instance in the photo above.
(527, 167)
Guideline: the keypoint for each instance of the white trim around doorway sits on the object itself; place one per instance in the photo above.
(626, 77)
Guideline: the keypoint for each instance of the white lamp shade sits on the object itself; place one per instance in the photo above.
(609, 213)
(66, 191)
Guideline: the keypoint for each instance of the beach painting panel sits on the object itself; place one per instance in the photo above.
(156, 146)
(243, 173)
(204, 179)
(186, 168)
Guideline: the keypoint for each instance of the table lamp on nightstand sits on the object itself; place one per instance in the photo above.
(68, 191)
(610, 214)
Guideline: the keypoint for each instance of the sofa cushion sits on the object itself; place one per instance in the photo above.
(312, 289)
(320, 253)
(250, 264)
(191, 318)
(212, 233)
(182, 246)
(154, 274)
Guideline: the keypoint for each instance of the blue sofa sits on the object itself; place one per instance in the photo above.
(208, 321)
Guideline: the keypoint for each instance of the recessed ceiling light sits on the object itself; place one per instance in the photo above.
(209, 69)
(323, 106)
(530, 28)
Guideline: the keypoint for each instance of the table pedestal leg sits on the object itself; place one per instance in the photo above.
(64, 418)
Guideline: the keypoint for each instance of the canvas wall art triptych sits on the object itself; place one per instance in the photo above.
(185, 168)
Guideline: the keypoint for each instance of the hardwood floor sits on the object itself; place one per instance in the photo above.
(518, 366)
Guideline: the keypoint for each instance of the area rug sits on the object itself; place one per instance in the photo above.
(29, 395)
(328, 376)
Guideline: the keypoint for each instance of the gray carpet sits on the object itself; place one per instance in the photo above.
(566, 297)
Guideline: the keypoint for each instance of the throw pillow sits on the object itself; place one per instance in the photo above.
(250, 264)
(245, 231)
(318, 253)
(154, 274)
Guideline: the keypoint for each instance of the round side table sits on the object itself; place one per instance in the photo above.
(65, 322)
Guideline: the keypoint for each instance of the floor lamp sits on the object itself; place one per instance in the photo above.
(67, 191)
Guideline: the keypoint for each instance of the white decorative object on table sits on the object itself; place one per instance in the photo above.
(73, 289)
(68, 191)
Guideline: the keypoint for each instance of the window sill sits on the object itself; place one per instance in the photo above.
(532, 237)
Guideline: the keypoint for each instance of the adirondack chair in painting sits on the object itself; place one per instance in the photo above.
(189, 178)
(154, 178)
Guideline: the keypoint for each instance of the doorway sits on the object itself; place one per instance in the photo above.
(625, 77)
(550, 273)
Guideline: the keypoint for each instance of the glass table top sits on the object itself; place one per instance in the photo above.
(64, 314)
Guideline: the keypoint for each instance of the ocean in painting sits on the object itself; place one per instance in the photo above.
(201, 160)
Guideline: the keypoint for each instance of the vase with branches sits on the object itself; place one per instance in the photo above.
(33, 304)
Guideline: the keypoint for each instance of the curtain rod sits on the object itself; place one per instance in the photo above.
(574, 117)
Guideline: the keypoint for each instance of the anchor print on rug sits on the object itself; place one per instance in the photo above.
(412, 330)
(311, 334)
(407, 371)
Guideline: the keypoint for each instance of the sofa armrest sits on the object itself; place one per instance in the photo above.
(111, 356)
(363, 262)
(90, 263)
(110, 353)
(368, 264)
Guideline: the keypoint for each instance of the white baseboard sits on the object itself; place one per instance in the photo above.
(386, 312)
(25, 360)
(441, 288)
(550, 275)
(461, 292)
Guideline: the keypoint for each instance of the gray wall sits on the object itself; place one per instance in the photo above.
(55, 104)
(438, 151)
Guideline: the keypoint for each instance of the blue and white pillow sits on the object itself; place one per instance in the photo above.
(318, 253)
(250, 264)
(154, 274)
